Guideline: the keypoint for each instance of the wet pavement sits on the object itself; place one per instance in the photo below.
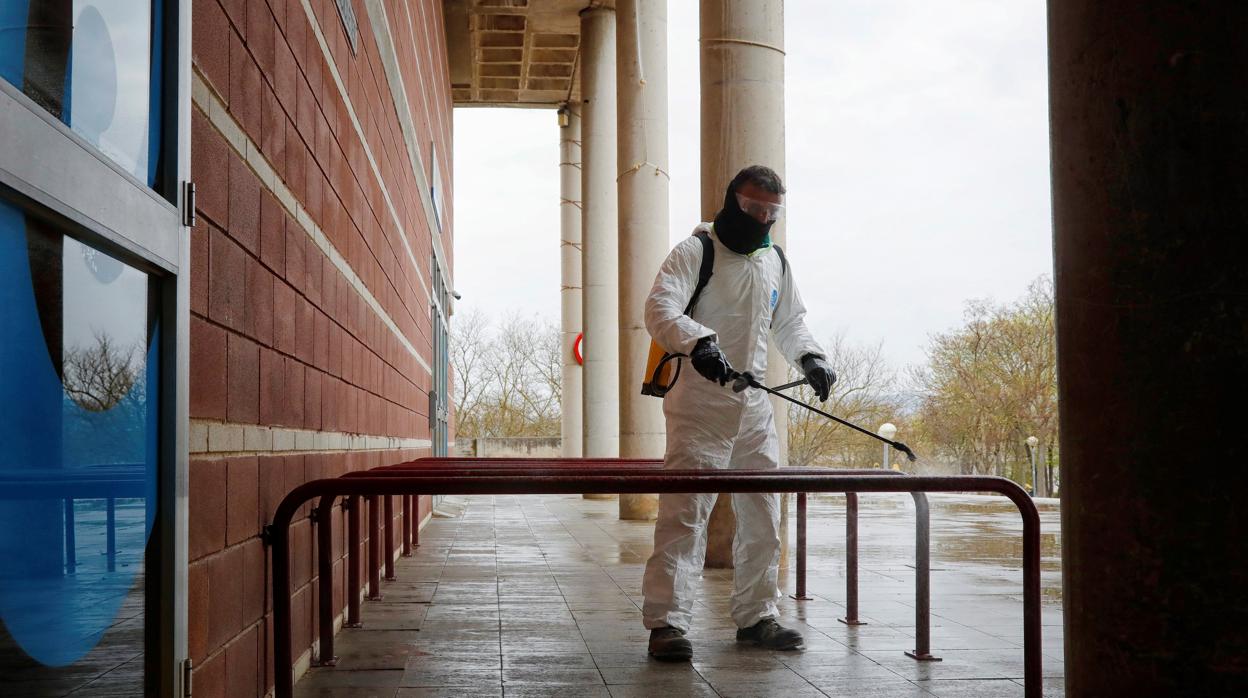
(540, 596)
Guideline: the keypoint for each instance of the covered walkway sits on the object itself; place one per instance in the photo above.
(540, 596)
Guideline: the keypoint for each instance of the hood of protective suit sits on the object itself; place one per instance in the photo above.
(738, 230)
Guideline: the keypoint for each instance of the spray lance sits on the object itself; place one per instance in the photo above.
(741, 381)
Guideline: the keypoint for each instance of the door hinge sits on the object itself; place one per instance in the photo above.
(188, 204)
(186, 679)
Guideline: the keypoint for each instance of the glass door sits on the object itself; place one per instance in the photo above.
(439, 398)
(93, 107)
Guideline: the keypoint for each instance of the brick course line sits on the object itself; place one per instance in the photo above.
(219, 117)
(384, 40)
(423, 190)
(216, 439)
(436, 45)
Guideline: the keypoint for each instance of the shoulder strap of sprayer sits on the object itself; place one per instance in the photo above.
(708, 266)
(706, 270)
(655, 385)
(662, 374)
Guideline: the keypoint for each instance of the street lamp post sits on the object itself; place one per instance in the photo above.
(888, 431)
(1031, 454)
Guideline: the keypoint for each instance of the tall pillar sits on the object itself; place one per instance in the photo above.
(641, 81)
(600, 249)
(742, 75)
(1149, 103)
(570, 286)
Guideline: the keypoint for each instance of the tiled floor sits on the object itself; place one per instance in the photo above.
(540, 596)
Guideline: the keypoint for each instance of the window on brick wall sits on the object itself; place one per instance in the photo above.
(439, 394)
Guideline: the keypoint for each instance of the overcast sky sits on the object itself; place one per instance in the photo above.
(918, 176)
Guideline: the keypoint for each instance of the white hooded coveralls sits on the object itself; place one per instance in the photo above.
(710, 426)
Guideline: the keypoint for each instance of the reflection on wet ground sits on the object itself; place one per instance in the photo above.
(538, 596)
(114, 667)
(967, 530)
(83, 604)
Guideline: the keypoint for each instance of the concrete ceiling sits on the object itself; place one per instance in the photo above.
(518, 53)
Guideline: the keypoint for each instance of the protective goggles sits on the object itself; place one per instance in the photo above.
(764, 211)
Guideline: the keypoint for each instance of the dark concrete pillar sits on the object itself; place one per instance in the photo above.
(1149, 105)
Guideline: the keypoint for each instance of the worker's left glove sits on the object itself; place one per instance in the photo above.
(819, 375)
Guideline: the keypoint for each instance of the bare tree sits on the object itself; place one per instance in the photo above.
(99, 377)
(108, 385)
(991, 383)
(864, 394)
(508, 377)
(470, 351)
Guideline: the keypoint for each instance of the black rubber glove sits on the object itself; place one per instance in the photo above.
(709, 360)
(819, 375)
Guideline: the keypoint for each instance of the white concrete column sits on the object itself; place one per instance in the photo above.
(742, 76)
(600, 249)
(641, 82)
(570, 282)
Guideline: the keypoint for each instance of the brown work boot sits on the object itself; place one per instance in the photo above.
(769, 634)
(668, 644)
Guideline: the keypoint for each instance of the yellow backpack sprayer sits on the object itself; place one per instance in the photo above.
(662, 366)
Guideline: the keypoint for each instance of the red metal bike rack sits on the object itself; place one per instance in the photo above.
(572, 482)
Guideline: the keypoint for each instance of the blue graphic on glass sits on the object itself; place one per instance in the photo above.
(96, 66)
(79, 423)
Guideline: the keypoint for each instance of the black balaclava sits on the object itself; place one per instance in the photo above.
(738, 230)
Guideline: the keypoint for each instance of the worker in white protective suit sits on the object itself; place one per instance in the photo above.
(749, 294)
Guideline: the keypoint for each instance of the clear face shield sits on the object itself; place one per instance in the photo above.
(761, 211)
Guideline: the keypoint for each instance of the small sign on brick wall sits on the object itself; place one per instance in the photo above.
(347, 13)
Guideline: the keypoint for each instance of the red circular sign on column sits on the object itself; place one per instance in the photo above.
(576, 349)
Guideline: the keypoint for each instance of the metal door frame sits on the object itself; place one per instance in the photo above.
(439, 385)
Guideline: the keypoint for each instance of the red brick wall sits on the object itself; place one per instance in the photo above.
(279, 336)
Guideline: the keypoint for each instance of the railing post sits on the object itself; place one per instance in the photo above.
(389, 556)
(111, 539)
(325, 572)
(922, 581)
(71, 544)
(851, 560)
(353, 543)
(801, 548)
(1033, 673)
(374, 548)
(406, 526)
(283, 663)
